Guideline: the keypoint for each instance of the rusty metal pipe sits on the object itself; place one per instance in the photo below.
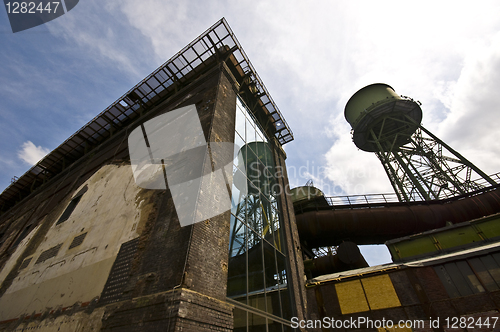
(376, 224)
(347, 257)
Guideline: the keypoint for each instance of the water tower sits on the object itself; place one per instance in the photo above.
(420, 166)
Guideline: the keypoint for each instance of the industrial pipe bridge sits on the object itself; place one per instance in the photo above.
(374, 219)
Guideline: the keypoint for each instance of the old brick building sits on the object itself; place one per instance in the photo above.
(83, 247)
(91, 237)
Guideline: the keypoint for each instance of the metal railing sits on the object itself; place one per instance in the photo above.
(390, 197)
(362, 199)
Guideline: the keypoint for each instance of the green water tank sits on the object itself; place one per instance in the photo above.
(377, 109)
(365, 98)
(256, 159)
(305, 193)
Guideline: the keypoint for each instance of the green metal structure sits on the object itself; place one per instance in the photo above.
(455, 237)
(254, 203)
(419, 165)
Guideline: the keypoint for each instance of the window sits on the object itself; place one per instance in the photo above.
(471, 276)
(351, 297)
(21, 237)
(71, 206)
(257, 272)
(370, 293)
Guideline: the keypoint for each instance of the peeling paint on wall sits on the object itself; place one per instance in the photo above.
(111, 212)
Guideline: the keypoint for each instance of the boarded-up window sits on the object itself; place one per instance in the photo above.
(380, 292)
(351, 297)
(470, 277)
(491, 262)
(459, 279)
(367, 294)
(448, 283)
(483, 274)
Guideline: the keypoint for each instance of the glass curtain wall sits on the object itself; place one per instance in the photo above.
(257, 272)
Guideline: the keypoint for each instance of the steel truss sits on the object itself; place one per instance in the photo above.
(425, 168)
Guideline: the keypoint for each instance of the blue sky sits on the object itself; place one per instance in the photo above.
(312, 58)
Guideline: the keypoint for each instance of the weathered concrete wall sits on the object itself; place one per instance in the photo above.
(112, 212)
(76, 322)
(108, 214)
(173, 261)
(136, 268)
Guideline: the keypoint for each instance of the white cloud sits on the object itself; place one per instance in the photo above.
(168, 32)
(441, 62)
(31, 154)
(8, 162)
(471, 126)
(98, 30)
(355, 171)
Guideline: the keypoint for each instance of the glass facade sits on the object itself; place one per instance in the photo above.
(257, 270)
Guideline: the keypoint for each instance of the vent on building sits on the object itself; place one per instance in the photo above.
(49, 253)
(120, 273)
(25, 263)
(77, 240)
(71, 206)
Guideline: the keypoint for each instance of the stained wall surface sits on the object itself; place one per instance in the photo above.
(107, 215)
(466, 284)
(121, 261)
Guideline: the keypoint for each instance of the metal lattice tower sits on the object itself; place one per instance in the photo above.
(419, 165)
(253, 200)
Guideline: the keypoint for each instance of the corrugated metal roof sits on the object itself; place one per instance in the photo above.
(146, 93)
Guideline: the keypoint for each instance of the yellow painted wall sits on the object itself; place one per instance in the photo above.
(370, 293)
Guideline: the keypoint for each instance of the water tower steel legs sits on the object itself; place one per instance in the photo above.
(425, 168)
(462, 159)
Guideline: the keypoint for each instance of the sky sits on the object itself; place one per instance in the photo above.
(312, 56)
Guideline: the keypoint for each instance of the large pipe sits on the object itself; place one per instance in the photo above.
(375, 224)
(347, 257)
